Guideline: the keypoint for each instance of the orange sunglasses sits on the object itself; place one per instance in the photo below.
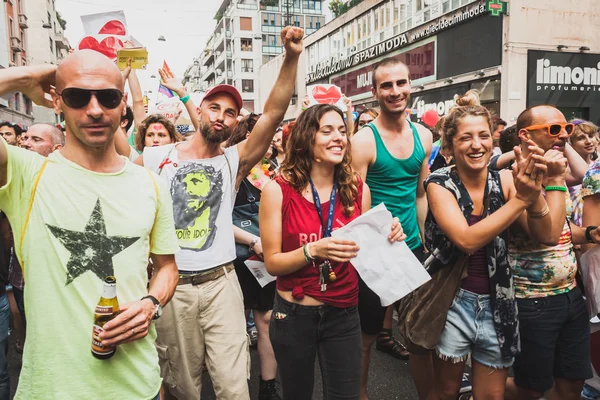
(553, 129)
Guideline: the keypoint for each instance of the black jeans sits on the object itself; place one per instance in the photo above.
(298, 333)
(555, 340)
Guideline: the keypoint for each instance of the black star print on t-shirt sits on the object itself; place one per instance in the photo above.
(92, 249)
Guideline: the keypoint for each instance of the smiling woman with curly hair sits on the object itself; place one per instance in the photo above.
(315, 310)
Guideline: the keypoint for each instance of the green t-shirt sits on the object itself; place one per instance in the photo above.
(84, 226)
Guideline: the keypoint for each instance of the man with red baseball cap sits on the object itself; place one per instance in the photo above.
(205, 322)
(227, 89)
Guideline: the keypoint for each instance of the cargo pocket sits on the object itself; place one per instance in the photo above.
(166, 366)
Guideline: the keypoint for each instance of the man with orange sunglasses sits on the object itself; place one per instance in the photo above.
(553, 316)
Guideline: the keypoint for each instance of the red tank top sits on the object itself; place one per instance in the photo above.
(300, 225)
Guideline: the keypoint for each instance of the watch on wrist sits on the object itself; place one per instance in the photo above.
(588, 233)
(158, 309)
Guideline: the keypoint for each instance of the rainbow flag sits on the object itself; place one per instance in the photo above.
(163, 89)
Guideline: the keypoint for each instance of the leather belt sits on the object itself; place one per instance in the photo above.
(205, 276)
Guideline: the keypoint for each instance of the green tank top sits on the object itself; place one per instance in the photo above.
(394, 181)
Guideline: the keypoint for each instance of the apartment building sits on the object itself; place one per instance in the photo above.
(14, 107)
(246, 36)
(47, 44)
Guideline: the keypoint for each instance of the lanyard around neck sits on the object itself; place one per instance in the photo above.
(326, 226)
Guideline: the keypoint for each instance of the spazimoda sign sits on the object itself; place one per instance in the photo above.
(336, 64)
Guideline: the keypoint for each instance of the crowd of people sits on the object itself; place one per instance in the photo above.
(498, 215)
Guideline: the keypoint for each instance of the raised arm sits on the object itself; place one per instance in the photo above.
(137, 98)
(35, 82)
(254, 148)
(577, 166)
(171, 82)
(349, 115)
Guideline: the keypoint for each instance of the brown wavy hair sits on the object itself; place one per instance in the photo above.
(465, 105)
(299, 156)
(140, 136)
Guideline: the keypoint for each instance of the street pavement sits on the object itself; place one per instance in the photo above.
(389, 378)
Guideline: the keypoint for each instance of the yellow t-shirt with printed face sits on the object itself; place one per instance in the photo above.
(84, 226)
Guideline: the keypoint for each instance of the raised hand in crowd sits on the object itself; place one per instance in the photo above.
(349, 114)
(254, 148)
(33, 81)
(171, 82)
(528, 174)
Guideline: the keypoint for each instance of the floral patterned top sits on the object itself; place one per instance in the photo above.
(445, 253)
(577, 199)
(591, 181)
(539, 270)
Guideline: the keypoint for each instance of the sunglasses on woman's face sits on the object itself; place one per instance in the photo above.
(552, 129)
(79, 98)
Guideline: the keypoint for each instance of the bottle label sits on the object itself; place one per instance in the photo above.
(104, 310)
(97, 347)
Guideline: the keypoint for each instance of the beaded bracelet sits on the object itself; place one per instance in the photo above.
(555, 188)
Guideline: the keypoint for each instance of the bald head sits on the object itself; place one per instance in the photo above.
(43, 139)
(87, 63)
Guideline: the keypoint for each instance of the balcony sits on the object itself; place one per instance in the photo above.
(272, 49)
(15, 44)
(247, 69)
(23, 21)
(61, 42)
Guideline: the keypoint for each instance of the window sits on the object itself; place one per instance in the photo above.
(245, 23)
(271, 40)
(247, 86)
(23, 40)
(247, 65)
(10, 26)
(249, 105)
(311, 4)
(246, 44)
(49, 19)
(17, 101)
(51, 45)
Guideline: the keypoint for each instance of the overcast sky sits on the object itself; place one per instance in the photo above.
(186, 25)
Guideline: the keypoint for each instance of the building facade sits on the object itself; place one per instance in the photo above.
(247, 35)
(47, 45)
(514, 58)
(14, 107)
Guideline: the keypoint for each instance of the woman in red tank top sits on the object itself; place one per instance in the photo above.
(315, 310)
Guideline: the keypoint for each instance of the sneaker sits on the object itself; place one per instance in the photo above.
(465, 385)
(252, 336)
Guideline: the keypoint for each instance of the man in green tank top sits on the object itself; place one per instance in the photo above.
(391, 155)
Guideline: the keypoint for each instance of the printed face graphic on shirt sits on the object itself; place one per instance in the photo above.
(197, 192)
(92, 249)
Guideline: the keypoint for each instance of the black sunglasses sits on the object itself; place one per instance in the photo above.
(79, 98)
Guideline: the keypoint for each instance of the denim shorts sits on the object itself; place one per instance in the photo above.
(470, 330)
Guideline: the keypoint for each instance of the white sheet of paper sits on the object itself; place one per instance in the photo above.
(389, 269)
(258, 269)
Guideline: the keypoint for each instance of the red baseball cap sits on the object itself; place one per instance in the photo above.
(227, 89)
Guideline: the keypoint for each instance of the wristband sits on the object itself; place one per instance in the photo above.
(555, 188)
(185, 98)
(588, 233)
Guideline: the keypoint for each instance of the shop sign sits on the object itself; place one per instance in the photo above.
(440, 100)
(556, 77)
(420, 61)
(336, 64)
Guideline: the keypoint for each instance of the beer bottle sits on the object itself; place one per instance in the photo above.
(106, 309)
